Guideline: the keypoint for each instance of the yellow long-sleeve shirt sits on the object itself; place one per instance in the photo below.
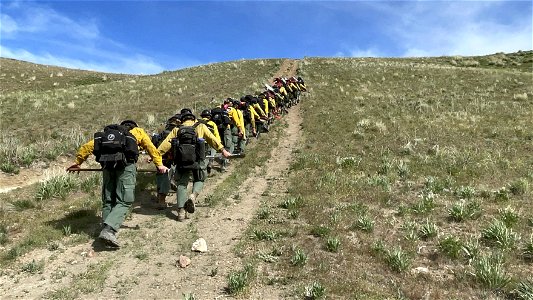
(213, 127)
(201, 131)
(143, 141)
(254, 116)
(259, 110)
(265, 105)
(283, 91)
(237, 117)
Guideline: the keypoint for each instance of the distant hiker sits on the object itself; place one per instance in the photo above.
(187, 143)
(220, 116)
(163, 180)
(117, 149)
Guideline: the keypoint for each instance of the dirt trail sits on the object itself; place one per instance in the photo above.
(145, 265)
(33, 174)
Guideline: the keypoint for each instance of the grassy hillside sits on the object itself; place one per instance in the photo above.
(417, 173)
(417, 184)
(16, 75)
(43, 124)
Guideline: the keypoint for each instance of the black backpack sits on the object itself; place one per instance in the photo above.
(221, 118)
(115, 147)
(187, 149)
(246, 114)
(160, 137)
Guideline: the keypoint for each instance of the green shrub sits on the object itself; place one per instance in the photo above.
(428, 230)
(451, 246)
(499, 235)
(314, 291)
(333, 244)
(238, 281)
(364, 223)
(299, 258)
(398, 260)
(56, 187)
(508, 216)
(489, 271)
(33, 267)
(519, 187)
(320, 230)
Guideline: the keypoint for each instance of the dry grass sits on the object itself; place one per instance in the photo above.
(406, 140)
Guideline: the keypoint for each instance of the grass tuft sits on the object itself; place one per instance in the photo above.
(314, 291)
(238, 281)
(489, 271)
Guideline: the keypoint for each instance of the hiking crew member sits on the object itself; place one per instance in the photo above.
(238, 132)
(117, 150)
(163, 180)
(206, 119)
(188, 145)
(220, 116)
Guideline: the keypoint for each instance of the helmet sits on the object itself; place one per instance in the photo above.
(174, 120)
(205, 113)
(186, 110)
(129, 123)
(187, 116)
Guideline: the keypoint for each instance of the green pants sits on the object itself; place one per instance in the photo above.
(228, 144)
(118, 194)
(163, 181)
(183, 177)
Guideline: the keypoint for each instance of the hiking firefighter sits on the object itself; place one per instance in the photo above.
(164, 180)
(188, 149)
(117, 150)
(207, 120)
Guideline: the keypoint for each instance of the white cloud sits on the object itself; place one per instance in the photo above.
(425, 28)
(137, 64)
(31, 18)
(39, 34)
(8, 24)
(371, 52)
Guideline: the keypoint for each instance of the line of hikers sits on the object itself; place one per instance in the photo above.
(186, 149)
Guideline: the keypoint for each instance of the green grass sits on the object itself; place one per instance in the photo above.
(415, 142)
(391, 134)
(239, 281)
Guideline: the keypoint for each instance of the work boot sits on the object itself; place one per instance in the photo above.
(181, 214)
(189, 204)
(108, 235)
(161, 203)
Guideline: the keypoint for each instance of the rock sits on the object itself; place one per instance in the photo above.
(91, 253)
(420, 270)
(200, 245)
(183, 261)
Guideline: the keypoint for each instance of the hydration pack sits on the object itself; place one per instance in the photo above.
(221, 118)
(187, 149)
(115, 147)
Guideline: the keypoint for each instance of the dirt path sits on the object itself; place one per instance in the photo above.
(33, 174)
(145, 265)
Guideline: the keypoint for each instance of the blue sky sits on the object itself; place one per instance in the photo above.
(147, 37)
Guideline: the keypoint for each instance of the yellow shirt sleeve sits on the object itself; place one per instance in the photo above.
(84, 151)
(165, 144)
(215, 130)
(144, 141)
(205, 133)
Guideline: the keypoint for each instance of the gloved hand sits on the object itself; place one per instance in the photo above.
(74, 168)
(162, 169)
(226, 153)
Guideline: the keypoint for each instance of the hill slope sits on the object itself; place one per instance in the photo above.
(408, 178)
